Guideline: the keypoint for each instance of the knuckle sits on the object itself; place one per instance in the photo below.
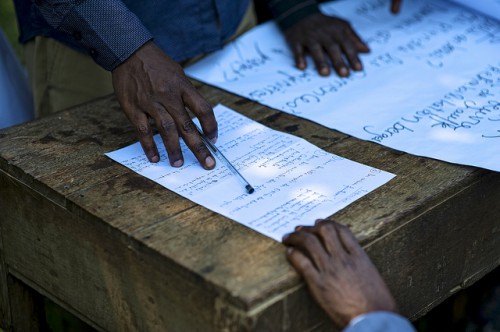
(188, 126)
(200, 148)
(142, 130)
(323, 229)
(333, 50)
(305, 237)
(168, 90)
(302, 264)
(167, 125)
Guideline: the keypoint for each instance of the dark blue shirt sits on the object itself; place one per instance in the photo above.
(111, 30)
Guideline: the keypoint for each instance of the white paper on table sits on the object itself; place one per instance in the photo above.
(487, 7)
(430, 86)
(295, 182)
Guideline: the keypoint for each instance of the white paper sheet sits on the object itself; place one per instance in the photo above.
(295, 182)
(487, 7)
(430, 87)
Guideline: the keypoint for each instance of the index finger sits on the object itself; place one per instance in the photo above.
(141, 123)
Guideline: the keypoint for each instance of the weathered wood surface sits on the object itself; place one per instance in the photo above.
(124, 253)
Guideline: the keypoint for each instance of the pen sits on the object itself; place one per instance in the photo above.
(221, 157)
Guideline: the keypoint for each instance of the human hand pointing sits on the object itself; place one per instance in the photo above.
(150, 85)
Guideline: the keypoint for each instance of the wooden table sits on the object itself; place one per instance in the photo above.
(124, 253)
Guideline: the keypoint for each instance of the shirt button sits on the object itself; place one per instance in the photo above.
(77, 35)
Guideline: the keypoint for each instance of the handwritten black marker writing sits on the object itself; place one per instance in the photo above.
(243, 65)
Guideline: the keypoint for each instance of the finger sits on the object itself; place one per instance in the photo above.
(320, 221)
(188, 132)
(351, 54)
(140, 121)
(319, 59)
(170, 136)
(200, 107)
(337, 60)
(327, 233)
(395, 6)
(348, 239)
(310, 245)
(360, 45)
(303, 265)
(299, 56)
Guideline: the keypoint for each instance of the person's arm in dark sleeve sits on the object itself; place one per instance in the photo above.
(288, 12)
(107, 29)
(147, 82)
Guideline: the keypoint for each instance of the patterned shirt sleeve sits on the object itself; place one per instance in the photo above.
(107, 29)
(289, 12)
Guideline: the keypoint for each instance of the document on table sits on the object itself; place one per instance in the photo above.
(430, 86)
(487, 7)
(295, 182)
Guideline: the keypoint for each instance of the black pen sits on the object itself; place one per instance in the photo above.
(221, 157)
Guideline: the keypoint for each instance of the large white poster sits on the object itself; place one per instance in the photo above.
(430, 86)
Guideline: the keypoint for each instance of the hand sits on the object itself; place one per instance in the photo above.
(326, 37)
(395, 6)
(150, 84)
(339, 274)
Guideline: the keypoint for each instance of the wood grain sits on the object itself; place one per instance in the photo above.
(122, 252)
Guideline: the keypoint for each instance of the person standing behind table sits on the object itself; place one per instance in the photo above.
(342, 279)
(142, 43)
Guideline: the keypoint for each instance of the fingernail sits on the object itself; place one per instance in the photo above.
(209, 162)
(318, 221)
(289, 250)
(286, 236)
(155, 159)
(358, 66)
(343, 71)
(324, 71)
(213, 140)
(178, 163)
(298, 228)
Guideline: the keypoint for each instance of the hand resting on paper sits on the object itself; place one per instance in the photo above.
(329, 40)
(337, 271)
(150, 85)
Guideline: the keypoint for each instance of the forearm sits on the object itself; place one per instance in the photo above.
(107, 29)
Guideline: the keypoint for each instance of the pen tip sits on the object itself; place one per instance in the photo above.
(249, 189)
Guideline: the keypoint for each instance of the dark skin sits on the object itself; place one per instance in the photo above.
(149, 85)
(338, 272)
(329, 40)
